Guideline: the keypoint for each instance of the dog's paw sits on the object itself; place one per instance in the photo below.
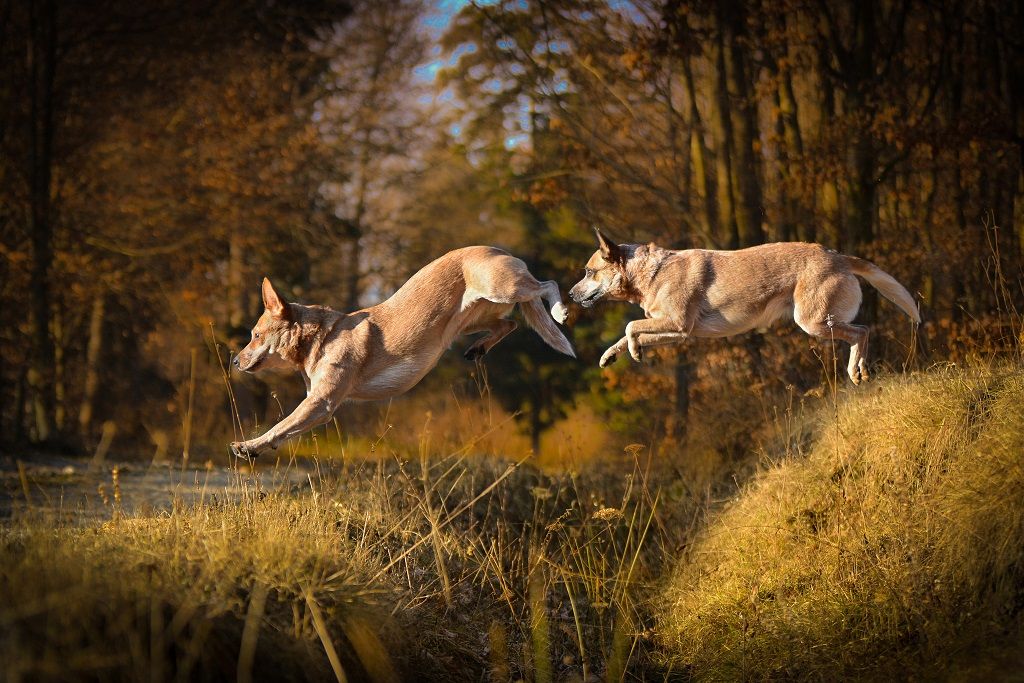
(239, 449)
(474, 352)
(859, 376)
(608, 358)
(864, 374)
(637, 352)
(560, 313)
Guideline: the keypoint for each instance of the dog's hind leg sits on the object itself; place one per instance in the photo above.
(551, 294)
(528, 289)
(825, 310)
(510, 281)
(828, 327)
(496, 329)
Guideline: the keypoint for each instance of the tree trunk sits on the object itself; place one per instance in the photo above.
(828, 192)
(862, 165)
(800, 225)
(722, 133)
(357, 230)
(746, 183)
(779, 227)
(1018, 211)
(59, 387)
(859, 219)
(19, 408)
(93, 359)
(699, 155)
(42, 57)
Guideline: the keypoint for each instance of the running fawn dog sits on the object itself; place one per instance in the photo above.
(384, 350)
(707, 293)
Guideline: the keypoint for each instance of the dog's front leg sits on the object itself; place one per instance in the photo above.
(641, 334)
(314, 410)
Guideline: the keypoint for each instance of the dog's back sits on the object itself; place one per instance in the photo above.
(440, 296)
(720, 293)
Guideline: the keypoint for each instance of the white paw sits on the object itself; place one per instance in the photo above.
(559, 312)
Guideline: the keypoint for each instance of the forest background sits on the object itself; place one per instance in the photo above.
(157, 159)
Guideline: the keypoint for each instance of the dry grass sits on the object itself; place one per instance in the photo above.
(437, 569)
(885, 542)
(188, 594)
(894, 545)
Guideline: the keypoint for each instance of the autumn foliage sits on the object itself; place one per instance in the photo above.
(157, 159)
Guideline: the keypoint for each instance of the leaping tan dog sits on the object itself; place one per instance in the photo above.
(707, 293)
(384, 350)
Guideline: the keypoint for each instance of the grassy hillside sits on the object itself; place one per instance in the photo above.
(895, 544)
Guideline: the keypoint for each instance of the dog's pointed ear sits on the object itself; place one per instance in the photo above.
(610, 251)
(273, 301)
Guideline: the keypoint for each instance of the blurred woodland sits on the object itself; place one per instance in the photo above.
(157, 158)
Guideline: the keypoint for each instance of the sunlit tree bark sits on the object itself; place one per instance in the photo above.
(699, 153)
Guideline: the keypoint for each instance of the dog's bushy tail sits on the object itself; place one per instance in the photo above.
(886, 285)
(541, 322)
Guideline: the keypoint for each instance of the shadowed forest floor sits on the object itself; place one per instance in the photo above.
(879, 538)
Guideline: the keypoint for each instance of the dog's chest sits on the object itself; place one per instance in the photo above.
(391, 378)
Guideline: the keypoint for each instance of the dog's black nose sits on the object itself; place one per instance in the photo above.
(235, 361)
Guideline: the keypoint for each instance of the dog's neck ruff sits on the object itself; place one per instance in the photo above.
(640, 270)
(303, 335)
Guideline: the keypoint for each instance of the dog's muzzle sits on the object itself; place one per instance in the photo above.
(251, 367)
(588, 300)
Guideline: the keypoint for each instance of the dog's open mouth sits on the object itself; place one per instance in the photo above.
(589, 300)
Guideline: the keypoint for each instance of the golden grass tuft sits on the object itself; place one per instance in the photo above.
(201, 593)
(895, 544)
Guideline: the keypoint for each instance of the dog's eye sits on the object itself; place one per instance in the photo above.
(589, 271)
(255, 335)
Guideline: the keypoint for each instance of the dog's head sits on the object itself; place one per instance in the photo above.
(275, 322)
(605, 276)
